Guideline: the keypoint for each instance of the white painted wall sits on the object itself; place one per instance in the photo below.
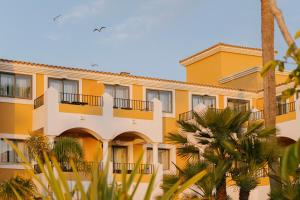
(105, 126)
(259, 193)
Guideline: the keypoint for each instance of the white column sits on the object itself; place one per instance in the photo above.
(155, 153)
(105, 151)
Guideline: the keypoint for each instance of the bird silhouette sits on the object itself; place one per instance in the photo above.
(99, 29)
(56, 17)
(94, 65)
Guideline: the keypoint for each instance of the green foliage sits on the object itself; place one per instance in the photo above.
(37, 144)
(16, 188)
(227, 137)
(66, 149)
(289, 174)
(292, 57)
(57, 187)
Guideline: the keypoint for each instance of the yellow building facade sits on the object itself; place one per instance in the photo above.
(117, 117)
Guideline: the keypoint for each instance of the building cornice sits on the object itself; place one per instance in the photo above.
(59, 71)
(220, 47)
(246, 73)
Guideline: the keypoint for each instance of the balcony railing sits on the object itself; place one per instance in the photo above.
(190, 114)
(118, 168)
(257, 115)
(84, 166)
(81, 99)
(131, 104)
(260, 173)
(38, 102)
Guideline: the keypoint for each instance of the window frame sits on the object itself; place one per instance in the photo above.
(15, 75)
(62, 80)
(16, 159)
(160, 149)
(215, 106)
(159, 91)
(115, 87)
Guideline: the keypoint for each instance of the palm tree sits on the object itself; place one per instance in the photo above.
(66, 149)
(212, 131)
(252, 156)
(267, 30)
(225, 138)
(36, 145)
(24, 188)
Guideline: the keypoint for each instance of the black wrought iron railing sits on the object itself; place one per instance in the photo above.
(84, 166)
(81, 99)
(260, 173)
(118, 168)
(285, 108)
(190, 114)
(281, 109)
(131, 104)
(38, 102)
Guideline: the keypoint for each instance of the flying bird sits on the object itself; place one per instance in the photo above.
(56, 17)
(94, 65)
(99, 29)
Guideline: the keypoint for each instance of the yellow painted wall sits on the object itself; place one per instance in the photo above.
(281, 78)
(145, 178)
(39, 84)
(252, 82)
(234, 62)
(92, 87)
(6, 174)
(15, 118)
(286, 117)
(134, 114)
(93, 149)
(221, 102)
(137, 92)
(82, 109)
(205, 71)
(137, 152)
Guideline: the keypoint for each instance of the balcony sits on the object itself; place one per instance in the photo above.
(106, 117)
(282, 109)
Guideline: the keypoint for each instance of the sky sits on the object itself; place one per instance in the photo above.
(142, 37)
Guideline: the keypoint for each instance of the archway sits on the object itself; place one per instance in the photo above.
(126, 149)
(89, 140)
(285, 141)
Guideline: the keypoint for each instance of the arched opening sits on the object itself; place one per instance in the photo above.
(90, 142)
(285, 141)
(126, 149)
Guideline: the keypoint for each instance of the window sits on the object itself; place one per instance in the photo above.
(8, 155)
(281, 105)
(120, 154)
(238, 104)
(117, 91)
(120, 94)
(164, 96)
(163, 157)
(15, 85)
(208, 101)
(64, 85)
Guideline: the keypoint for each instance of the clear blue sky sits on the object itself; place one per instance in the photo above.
(144, 37)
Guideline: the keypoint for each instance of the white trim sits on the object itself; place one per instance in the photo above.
(18, 136)
(246, 72)
(11, 166)
(197, 93)
(16, 100)
(229, 97)
(46, 81)
(172, 114)
(116, 83)
(113, 78)
(221, 48)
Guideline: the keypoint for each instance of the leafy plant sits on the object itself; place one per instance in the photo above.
(17, 188)
(55, 185)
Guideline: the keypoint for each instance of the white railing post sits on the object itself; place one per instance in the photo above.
(108, 104)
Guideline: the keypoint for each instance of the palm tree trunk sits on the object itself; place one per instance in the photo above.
(267, 30)
(244, 194)
(221, 189)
